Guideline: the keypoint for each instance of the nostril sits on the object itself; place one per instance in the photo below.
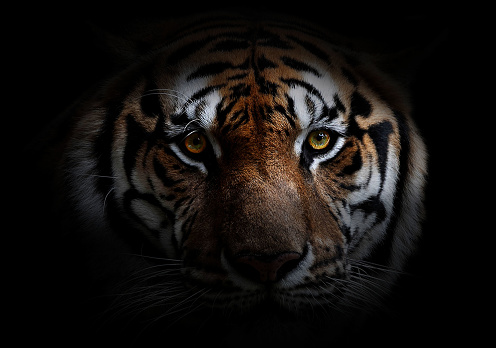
(266, 268)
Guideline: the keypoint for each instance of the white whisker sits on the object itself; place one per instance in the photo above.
(105, 199)
(98, 176)
(375, 266)
(373, 285)
(178, 308)
(160, 92)
(177, 261)
(187, 124)
(185, 97)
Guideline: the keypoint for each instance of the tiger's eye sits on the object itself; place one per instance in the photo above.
(319, 139)
(195, 143)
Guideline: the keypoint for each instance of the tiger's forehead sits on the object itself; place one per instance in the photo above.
(267, 73)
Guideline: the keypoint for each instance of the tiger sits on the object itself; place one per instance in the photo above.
(248, 168)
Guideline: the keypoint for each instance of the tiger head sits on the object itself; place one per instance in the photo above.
(263, 163)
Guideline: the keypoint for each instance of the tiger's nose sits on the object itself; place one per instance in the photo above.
(266, 268)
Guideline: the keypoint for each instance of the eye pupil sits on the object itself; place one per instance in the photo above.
(195, 143)
(319, 139)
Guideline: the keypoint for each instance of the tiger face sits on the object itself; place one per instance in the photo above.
(262, 162)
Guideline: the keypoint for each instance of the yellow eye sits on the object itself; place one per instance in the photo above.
(195, 143)
(319, 139)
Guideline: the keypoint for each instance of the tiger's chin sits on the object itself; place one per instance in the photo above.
(275, 305)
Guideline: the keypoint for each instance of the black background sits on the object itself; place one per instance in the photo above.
(57, 58)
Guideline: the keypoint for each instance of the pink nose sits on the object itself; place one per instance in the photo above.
(263, 268)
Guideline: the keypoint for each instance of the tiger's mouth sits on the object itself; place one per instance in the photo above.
(271, 296)
(284, 280)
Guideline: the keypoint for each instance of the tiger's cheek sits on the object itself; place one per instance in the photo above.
(336, 178)
(181, 191)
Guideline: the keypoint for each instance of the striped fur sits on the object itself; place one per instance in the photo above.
(350, 215)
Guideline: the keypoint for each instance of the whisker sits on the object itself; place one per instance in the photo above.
(105, 199)
(171, 93)
(192, 310)
(138, 279)
(155, 301)
(139, 298)
(169, 90)
(374, 284)
(365, 275)
(360, 292)
(372, 291)
(161, 92)
(352, 288)
(182, 302)
(187, 124)
(327, 301)
(98, 176)
(177, 261)
(178, 308)
(376, 266)
(181, 96)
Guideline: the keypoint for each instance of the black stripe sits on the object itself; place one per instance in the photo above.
(241, 118)
(310, 89)
(299, 65)
(360, 105)
(291, 109)
(349, 76)
(266, 87)
(206, 90)
(381, 254)
(269, 39)
(356, 162)
(230, 45)
(346, 230)
(132, 195)
(264, 63)
(237, 77)
(338, 103)
(328, 114)
(161, 173)
(210, 69)
(240, 90)
(379, 133)
(235, 116)
(282, 110)
(127, 232)
(370, 206)
(182, 118)
(223, 112)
